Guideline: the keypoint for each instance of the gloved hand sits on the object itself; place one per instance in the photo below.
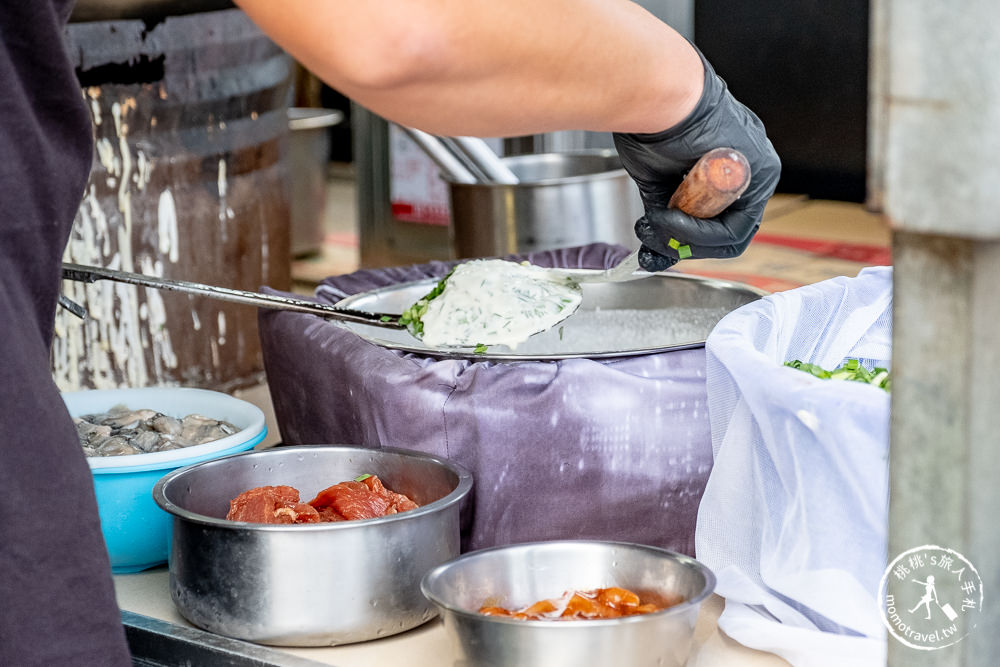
(657, 162)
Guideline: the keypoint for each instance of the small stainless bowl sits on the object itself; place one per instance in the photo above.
(314, 584)
(519, 575)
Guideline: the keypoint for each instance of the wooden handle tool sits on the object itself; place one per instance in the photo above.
(716, 180)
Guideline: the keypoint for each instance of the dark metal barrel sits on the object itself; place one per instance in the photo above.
(189, 182)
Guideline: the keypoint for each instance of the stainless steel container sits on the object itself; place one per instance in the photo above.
(562, 200)
(308, 157)
(313, 584)
(520, 575)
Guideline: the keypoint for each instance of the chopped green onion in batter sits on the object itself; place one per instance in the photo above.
(492, 302)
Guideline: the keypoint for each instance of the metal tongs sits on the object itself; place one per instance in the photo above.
(91, 274)
(463, 159)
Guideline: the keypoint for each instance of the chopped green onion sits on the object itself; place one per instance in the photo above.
(411, 317)
(683, 251)
(480, 349)
(361, 478)
(851, 370)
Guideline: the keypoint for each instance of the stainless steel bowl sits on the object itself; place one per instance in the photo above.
(314, 584)
(519, 575)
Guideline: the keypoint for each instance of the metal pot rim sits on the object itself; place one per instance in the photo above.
(313, 118)
(461, 489)
(372, 301)
(679, 608)
(607, 174)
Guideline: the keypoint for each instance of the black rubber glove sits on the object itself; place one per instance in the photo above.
(658, 162)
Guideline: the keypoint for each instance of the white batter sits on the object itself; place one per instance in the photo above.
(496, 302)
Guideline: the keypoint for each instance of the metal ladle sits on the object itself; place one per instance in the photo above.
(505, 303)
(91, 274)
(714, 183)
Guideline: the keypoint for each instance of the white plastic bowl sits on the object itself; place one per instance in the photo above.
(136, 531)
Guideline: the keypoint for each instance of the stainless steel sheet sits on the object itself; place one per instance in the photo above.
(665, 312)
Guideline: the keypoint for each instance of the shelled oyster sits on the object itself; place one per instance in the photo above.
(121, 431)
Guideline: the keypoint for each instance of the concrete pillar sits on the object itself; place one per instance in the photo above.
(935, 172)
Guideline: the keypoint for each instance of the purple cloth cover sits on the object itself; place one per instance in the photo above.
(605, 449)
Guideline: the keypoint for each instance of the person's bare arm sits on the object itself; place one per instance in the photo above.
(516, 67)
(494, 68)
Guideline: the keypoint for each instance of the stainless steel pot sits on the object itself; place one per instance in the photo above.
(314, 584)
(520, 575)
(561, 200)
(309, 153)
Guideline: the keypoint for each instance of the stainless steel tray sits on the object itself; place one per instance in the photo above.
(669, 311)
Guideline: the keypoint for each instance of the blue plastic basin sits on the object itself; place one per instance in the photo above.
(136, 531)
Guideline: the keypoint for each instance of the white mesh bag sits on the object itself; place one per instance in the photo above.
(793, 519)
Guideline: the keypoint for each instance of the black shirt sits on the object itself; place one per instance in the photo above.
(58, 604)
